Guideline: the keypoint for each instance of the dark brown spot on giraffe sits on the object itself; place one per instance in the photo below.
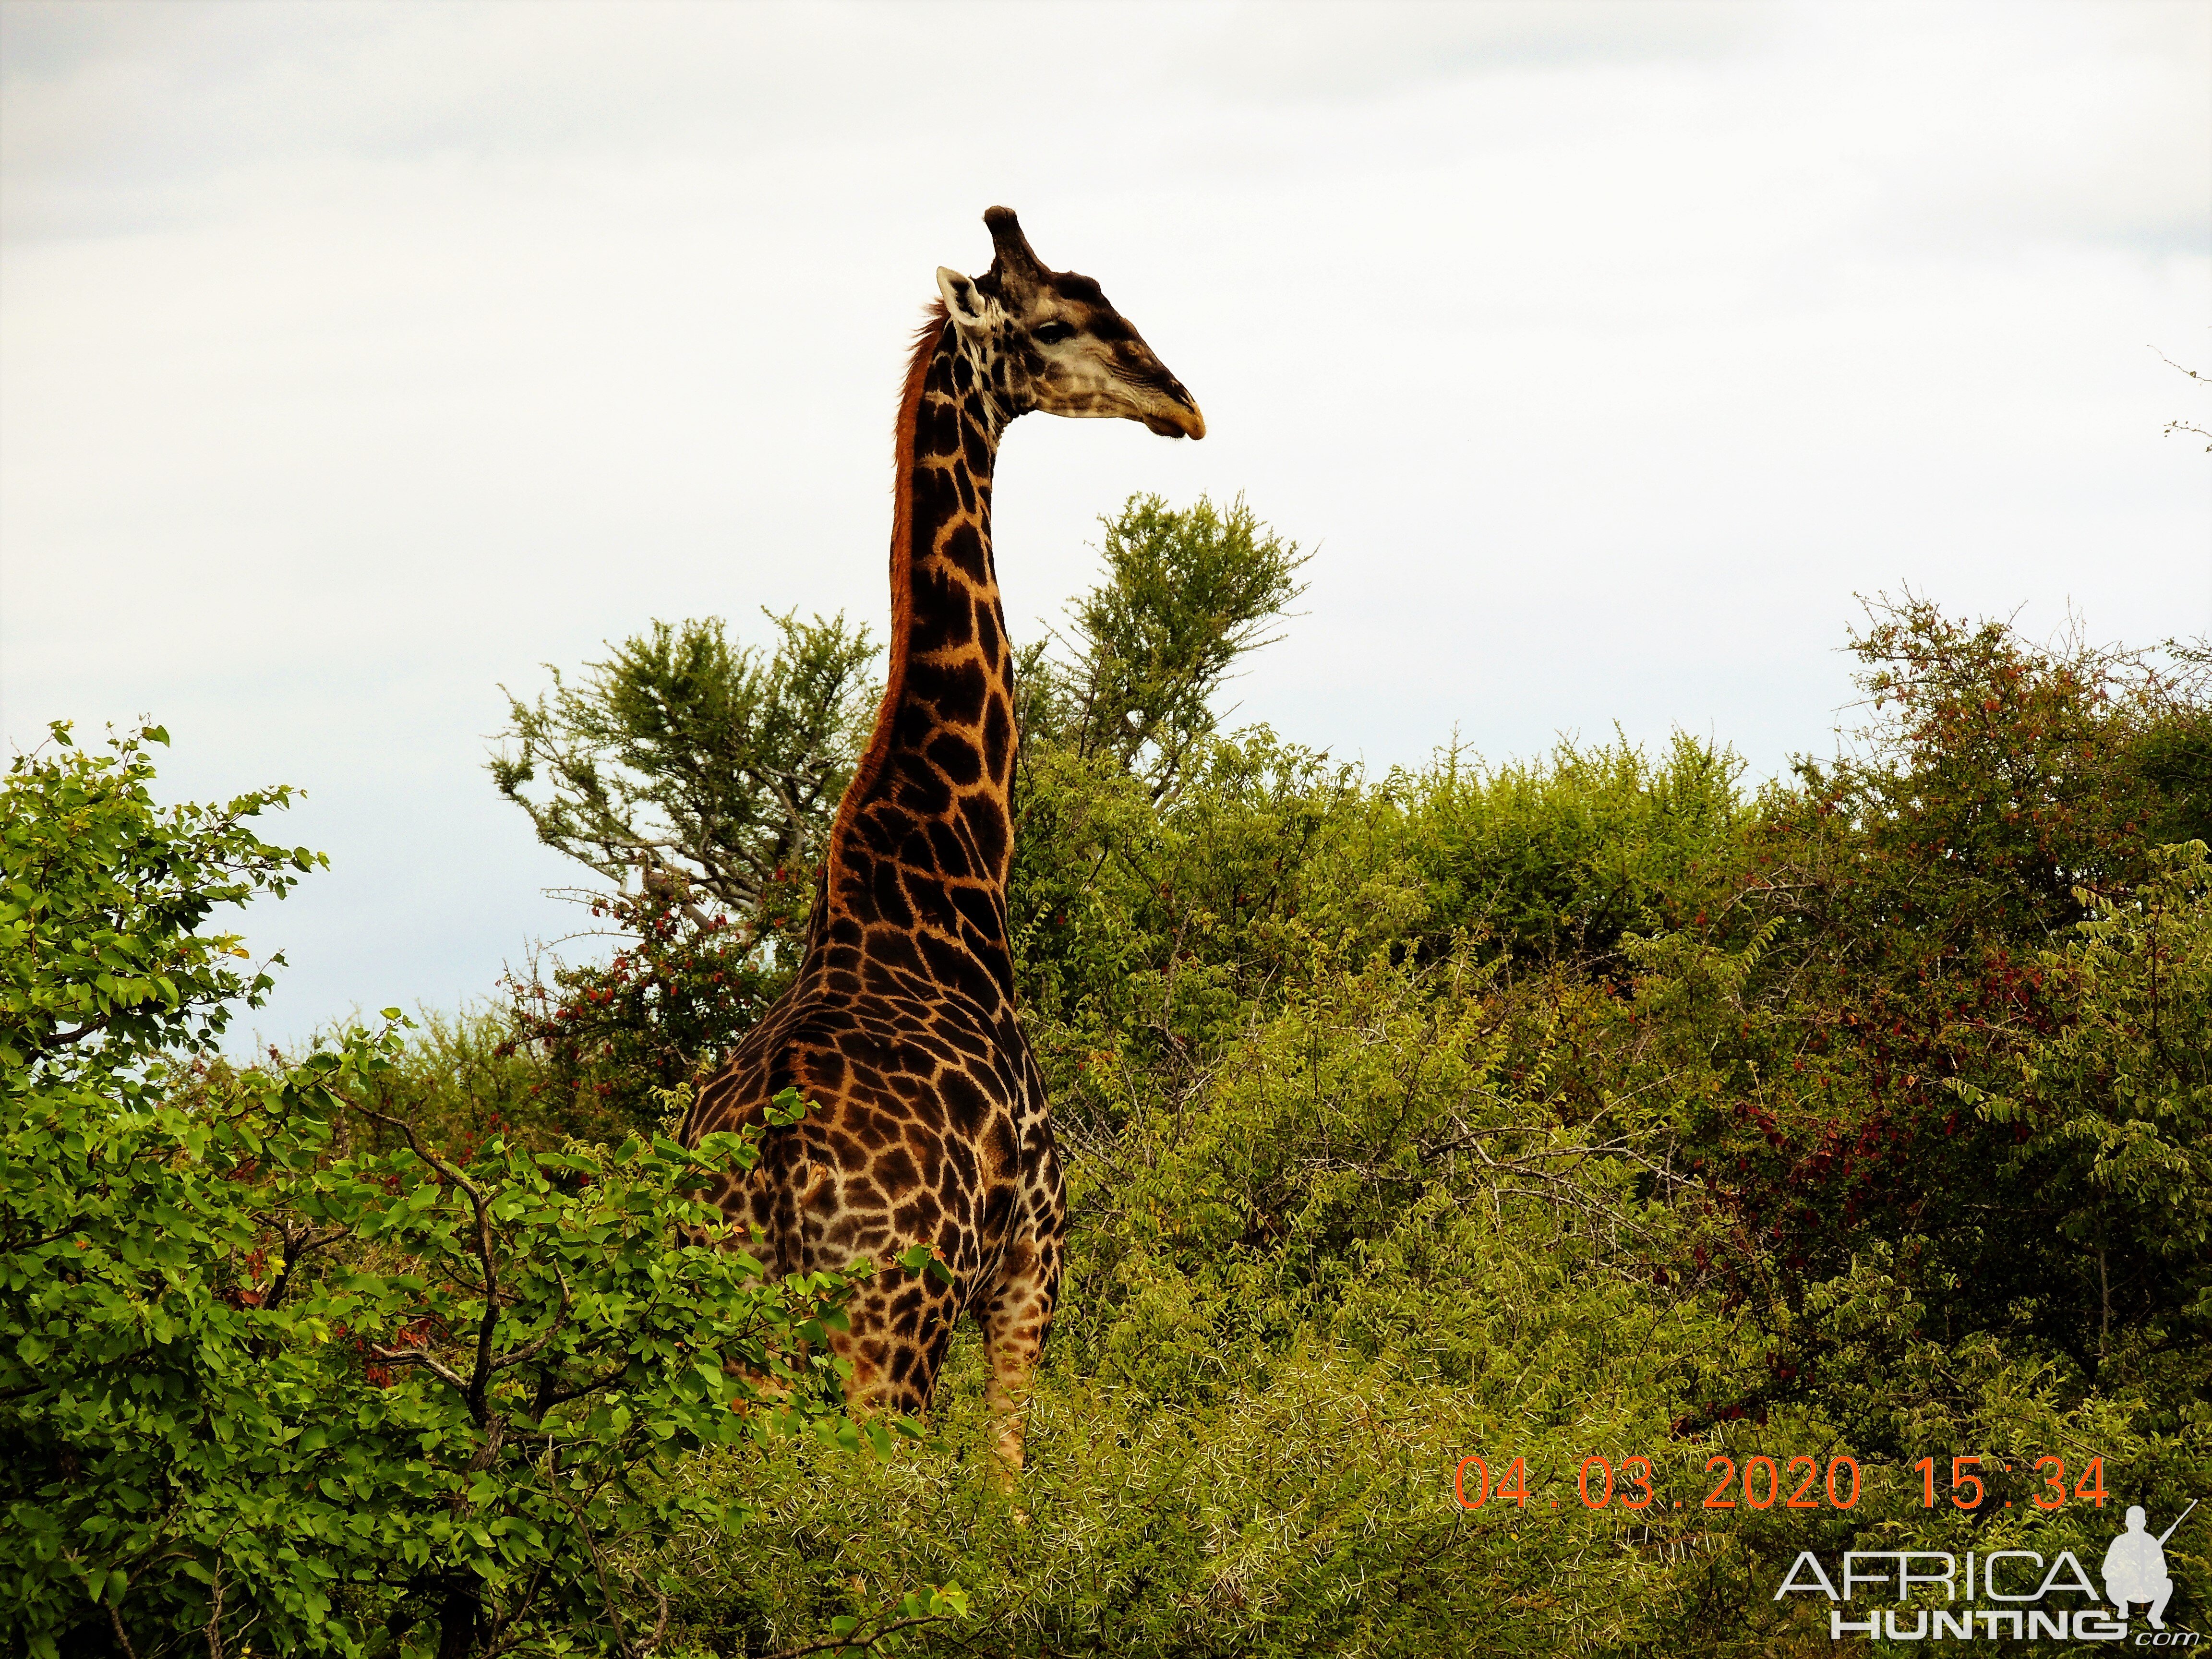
(945, 430)
(958, 759)
(890, 903)
(922, 790)
(952, 857)
(942, 622)
(986, 823)
(998, 739)
(936, 496)
(978, 451)
(963, 548)
(897, 1172)
(947, 963)
(976, 908)
(954, 689)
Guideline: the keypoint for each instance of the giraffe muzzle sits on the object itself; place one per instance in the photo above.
(1180, 420)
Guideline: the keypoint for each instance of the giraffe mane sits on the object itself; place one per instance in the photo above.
(925, 338)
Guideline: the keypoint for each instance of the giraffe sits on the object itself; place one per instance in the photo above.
(930, 1124)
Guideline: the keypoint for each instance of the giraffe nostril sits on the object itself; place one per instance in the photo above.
(1194, 425)
(1184, 421)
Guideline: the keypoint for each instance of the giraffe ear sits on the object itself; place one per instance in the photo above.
(963, 301)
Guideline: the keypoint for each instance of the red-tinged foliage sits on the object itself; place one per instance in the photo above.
(1888, 951)
(613, 1038)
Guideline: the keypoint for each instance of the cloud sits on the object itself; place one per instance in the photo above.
(356, 360)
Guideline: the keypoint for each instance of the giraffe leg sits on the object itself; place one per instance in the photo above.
(1016, 1320)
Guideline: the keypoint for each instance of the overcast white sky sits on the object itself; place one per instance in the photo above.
(356, 359)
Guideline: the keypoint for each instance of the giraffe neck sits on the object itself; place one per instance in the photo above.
(918, 857)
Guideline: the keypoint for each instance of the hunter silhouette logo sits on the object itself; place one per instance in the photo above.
(2134, 1567)
(2007, 1595)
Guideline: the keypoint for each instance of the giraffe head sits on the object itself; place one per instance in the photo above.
(1049, 340)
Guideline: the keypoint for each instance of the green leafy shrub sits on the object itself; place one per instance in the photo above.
(260, 1385)
(1558, 861)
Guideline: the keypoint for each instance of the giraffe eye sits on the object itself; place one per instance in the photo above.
(1052, 333)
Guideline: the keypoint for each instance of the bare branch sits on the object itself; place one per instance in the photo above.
(417, 1357)
(297, 1249)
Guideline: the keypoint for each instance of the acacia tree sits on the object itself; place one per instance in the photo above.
(683, 761)
(1188, 592)
(696, 780)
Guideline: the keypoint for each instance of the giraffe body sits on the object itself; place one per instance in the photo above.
(930, 1125)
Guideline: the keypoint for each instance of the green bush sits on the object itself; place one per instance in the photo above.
(260, 1385)
(1593, 1108)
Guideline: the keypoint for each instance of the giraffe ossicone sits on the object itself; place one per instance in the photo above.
(931, 1125)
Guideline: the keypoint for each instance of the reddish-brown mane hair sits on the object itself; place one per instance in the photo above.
(926, 339)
